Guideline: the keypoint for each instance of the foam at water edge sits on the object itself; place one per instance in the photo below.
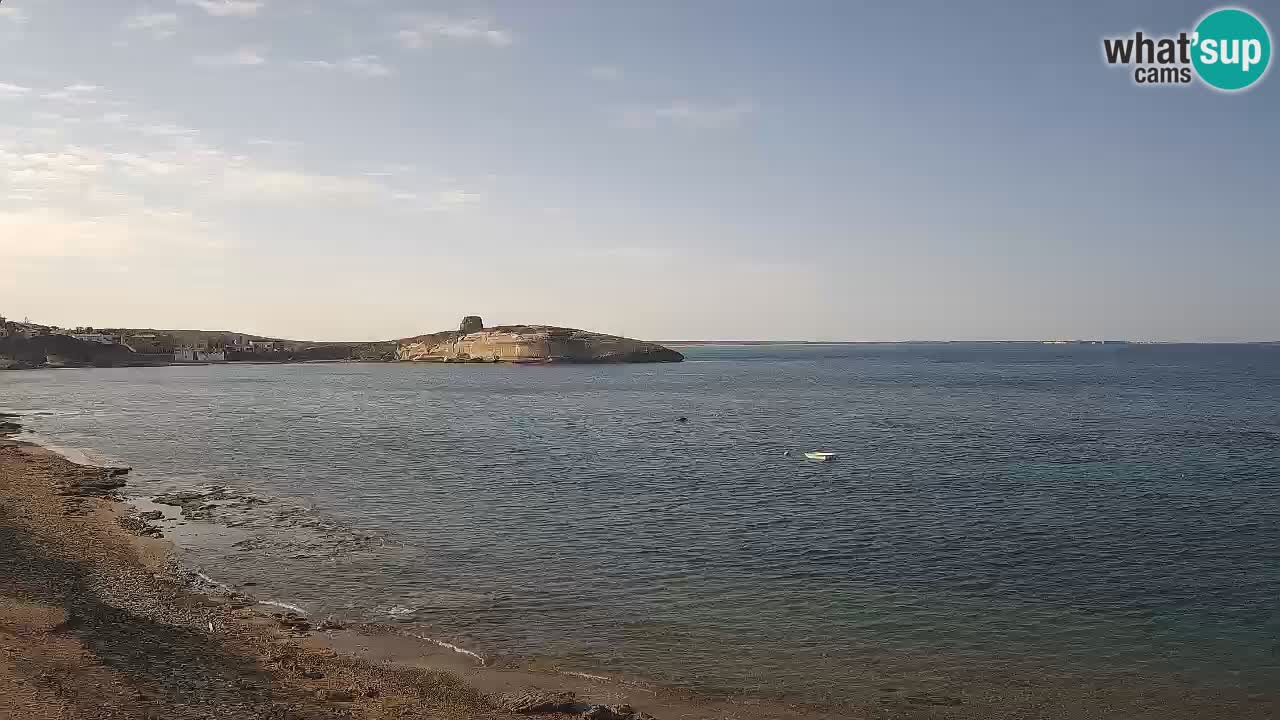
(588, 676)
(607, 679)
(79, 456)
(450, 646)
(210, 581)
(285, 605)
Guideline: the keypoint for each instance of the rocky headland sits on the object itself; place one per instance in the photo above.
(473, 342)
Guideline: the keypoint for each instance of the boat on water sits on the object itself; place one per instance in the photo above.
(817, 456)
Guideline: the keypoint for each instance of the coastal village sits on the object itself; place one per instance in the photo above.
(140, 347)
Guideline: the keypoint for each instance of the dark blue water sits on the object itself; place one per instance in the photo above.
(995, 510)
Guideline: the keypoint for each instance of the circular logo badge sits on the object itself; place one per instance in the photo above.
(1232, 49)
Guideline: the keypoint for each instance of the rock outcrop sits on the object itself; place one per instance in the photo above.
(472, 342)
(62, 351)
(534, 701)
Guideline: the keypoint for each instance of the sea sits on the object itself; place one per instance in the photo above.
(995, 514)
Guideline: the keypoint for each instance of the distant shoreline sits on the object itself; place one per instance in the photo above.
(751, 343)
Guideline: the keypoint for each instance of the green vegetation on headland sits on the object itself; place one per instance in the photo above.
(29, 345)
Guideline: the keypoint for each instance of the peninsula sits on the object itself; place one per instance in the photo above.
(29, 345)
(473, 342)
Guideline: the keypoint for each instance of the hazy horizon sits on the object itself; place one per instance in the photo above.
(374, 169)
(673, 340)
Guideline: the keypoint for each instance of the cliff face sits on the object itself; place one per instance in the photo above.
(529, 344)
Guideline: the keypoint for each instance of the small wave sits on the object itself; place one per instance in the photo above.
(211, 581)
(588, 676)
(450, 646)
(87, 457)
(285, 605)
(204, 583)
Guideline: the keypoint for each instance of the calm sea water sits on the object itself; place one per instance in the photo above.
(994, 510)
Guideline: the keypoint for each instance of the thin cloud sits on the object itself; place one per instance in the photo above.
(136, 164)
(605, 72)
(78, 94)
(242, 57)
(366, 66)
(361, 65)
(454, 199)
(165, 130)
(438, 201)
(174, 157)
(160, 25)
(687, 114)
(51, 117)
(226, 8)
(265, 142)
(9, 91)
(422, 31)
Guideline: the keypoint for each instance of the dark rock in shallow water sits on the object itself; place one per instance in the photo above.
(294, 622)
(152, 515)
(180, 498)
(138, 526)
(535, 700)
(86, 481)
(330, 623)
(615, 712)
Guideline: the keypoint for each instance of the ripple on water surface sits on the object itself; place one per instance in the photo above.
(994, 512)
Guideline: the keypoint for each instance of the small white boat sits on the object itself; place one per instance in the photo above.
(820, 456)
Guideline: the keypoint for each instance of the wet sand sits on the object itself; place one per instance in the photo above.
(98, 621)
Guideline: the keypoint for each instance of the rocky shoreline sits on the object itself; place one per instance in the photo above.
(97, 620)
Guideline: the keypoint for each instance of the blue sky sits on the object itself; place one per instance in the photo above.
(363, 169)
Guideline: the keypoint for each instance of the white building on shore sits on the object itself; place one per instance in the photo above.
(187, 354)
(101, 338)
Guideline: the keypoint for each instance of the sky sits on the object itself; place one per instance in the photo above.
(706, 169)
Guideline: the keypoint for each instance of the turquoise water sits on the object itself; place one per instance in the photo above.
(996, 511)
